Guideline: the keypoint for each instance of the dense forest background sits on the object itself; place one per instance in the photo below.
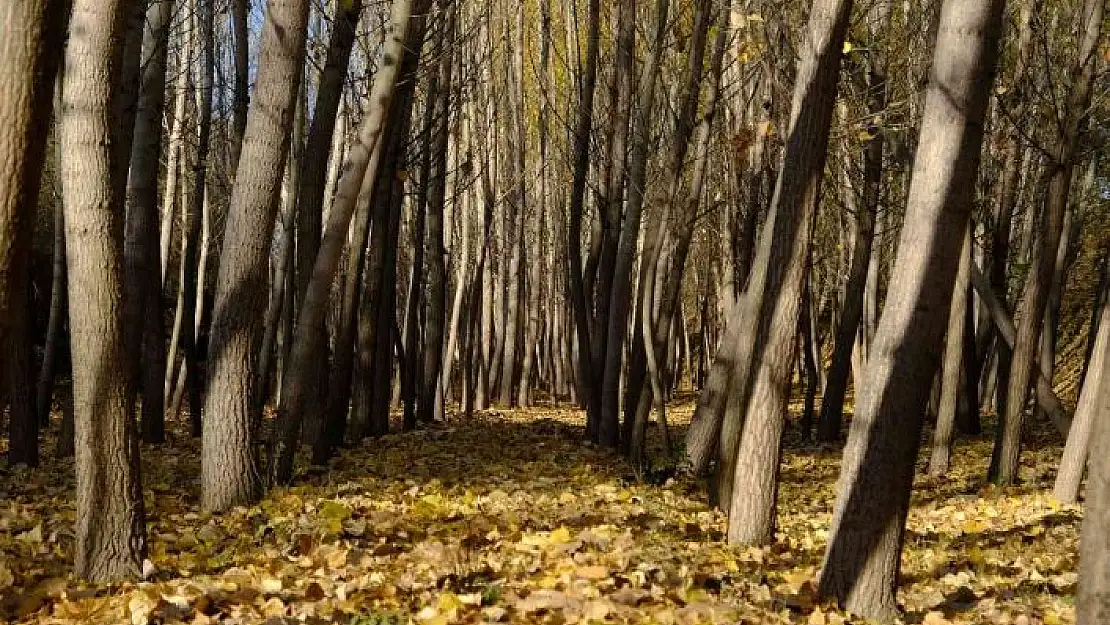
(243, 245)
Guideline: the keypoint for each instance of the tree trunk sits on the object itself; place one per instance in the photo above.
(311, 190)
(861, 563)
(760, 387)
(229, 474)
(143, 297)
(1090, 413)
(576, 286)
(111, 527)
(33, 32)
(1092, 605)
(314, 307)
(1007, 451)
(430, 407)
(953, 367)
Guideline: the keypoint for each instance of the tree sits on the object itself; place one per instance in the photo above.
(31, 33)
(1093, 598)
(143, 297)
(229, 473)
(357, 172)
(756, 409)
(861, 562)
(111, 529)
(1062, 157)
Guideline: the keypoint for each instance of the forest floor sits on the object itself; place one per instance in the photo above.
(510, 518)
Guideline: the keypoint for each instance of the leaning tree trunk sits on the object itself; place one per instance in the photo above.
(861, 562)
(1092, 605)
(1007, 451)
(111, 527)
(1089, 413)
(852, 308)
(314, 307)
(760, 385)
(229, 475)
(313, 183)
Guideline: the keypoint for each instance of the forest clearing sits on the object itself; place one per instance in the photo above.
(392, 312)
(507, 518)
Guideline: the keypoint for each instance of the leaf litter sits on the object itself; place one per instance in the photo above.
(509, 517)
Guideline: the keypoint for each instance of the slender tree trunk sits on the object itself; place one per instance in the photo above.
(240, 14)
(111, 528)
(953, 367)
(576, 285)
(143, 298)
(1090, 413)
(430, 407)
(861, 563)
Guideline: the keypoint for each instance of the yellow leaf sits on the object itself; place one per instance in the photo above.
(817, 617)
(7, 580)
(592, 572)
(935, 618)
(559, 536)
(848, 47)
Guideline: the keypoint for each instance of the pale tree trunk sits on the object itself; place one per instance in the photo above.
(1092, 605)
(1007, 452)
(143, 298)
(861, 562)
(314, 307)
(760, 387)
(229, 474)
(175, 149)
(111, 527)
(1091, 411)
(953, 367)
(30, 35)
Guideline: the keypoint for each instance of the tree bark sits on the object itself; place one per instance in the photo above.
(1007, 452)
(111, 528)
(861, 564)
(953, 367)
(229, 474)
(143, 297)
(760, 385)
